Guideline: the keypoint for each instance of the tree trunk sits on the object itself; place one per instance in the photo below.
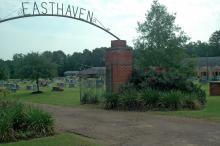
(37, 82)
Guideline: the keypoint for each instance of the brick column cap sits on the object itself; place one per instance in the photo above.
(118, 43)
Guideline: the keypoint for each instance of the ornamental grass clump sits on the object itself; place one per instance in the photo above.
(7, 132)
(18, 121)
(145, 99)
(89, 97)
(40, 123)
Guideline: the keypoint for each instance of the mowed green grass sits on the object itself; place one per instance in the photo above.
(210, 112)
(69, 97)
(57, 140)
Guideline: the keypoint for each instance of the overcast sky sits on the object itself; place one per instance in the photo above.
(198, 18)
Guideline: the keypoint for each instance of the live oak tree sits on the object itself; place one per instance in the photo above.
(161, 41)
(35, 66)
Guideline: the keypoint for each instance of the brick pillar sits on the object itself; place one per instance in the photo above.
(119, 59)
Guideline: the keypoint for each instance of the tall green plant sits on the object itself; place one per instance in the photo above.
(40, 123)
(18, 121)
(7, 133)
(151, 97)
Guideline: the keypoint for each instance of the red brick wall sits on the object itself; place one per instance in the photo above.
(119, 61)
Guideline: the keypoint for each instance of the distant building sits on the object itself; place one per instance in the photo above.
(93, 72)
(208, 67)
(71, 73)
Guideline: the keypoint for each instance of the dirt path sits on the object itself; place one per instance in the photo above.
(135, 129)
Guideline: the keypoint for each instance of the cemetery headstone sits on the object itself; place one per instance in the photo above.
(34, 88)
(71, 85)
(1, 83)
(13, 88)
(30, 88)
(57, 89)
(61, 85)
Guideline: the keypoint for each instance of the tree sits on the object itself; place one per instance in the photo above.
(4, 73)
(198, 49)
(48, 55)
(17, 63)
(10, 67)
(87, 57)
(35, 66)
(59, 57)
(161, 42)
(214, 42)
(98, 56)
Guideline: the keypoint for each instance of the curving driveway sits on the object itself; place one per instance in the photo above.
(113, 128)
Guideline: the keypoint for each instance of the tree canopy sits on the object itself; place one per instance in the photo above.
(4, 72)
(214, 42)
(161, 41)
(35, 66)
(64, 62)
(205, 49)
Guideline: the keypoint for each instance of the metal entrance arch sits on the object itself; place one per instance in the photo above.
(54, 15)
(119, 57)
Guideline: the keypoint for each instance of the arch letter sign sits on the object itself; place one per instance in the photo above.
(34, 9)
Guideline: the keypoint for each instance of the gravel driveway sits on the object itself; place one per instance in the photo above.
(112, 128)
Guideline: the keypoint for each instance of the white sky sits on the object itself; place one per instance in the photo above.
(198, 18)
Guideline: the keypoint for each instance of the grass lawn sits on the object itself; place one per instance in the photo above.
(57, 140)
(69, 97)
(210, 112)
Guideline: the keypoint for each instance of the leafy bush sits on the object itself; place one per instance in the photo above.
(4, 91)
(21, 122)
(152, 99)
(111, 101)
(40, 123)
(128, 100)
(89, 97)
(172, 100)
(191, 102)
(158, 90)
(20, 117)
(167, 81)
(7, 132)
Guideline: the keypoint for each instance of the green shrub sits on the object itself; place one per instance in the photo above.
(4, 91)
(7, 132)
(40, 123)
(167, 81)
(151, 99)
(154, 90)
(111, 101)
(191, 102)
(172, 100)
(18, 121)
(128, 100)
(89, 97)
(200, 94)
(20, 117)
